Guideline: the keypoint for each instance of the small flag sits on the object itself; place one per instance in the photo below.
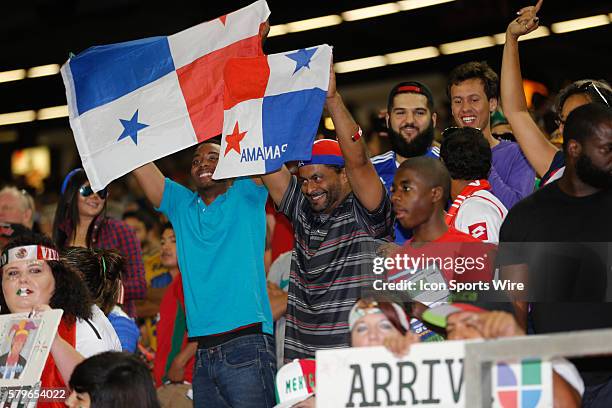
(135, 102)
(273, 106)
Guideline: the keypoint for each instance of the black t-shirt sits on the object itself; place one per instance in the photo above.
(567, 249)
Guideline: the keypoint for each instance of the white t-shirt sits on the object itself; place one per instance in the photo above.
(481, 215)
(96, 335)
(279, 274)
(569, 373)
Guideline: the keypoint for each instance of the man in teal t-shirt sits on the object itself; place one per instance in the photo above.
(220, 237)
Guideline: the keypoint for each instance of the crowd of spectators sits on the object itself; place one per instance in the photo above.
(209, 291)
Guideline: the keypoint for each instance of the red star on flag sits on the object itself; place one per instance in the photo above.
(233, 140)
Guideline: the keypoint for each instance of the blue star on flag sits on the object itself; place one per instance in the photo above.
(302, 58)
(131, 128)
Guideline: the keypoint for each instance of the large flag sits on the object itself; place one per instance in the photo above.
(134, 102)
(273, 106)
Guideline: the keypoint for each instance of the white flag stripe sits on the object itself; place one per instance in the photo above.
(160, 105)
(248, 114)
(283, 80)
(187, 46)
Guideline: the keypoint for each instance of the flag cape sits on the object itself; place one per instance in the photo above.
(273, 106)
(134, 102)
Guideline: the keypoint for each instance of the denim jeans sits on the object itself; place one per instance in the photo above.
(238, 374)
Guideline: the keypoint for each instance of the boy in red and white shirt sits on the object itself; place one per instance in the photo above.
(475, 210)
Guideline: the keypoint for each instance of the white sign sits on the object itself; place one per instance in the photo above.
(24, 346)
(430, 375)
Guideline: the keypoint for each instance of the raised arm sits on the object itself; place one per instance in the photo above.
(277, 183)
(151, 181)
(360, 171)
(534, 144)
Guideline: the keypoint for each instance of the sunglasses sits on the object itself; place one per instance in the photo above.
(86, 191)
(594, 90)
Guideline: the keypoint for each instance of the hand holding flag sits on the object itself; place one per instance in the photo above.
(273, 106)
(134, 102)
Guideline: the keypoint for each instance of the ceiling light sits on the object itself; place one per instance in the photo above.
(329, 124)
(412, 55)
(313, 23)
(368, 12)
(360, 64)
(17, 117)
(415, 4)
(53, 112)
(278, 29)
(14, 75)
(467, 45)
(43, 70)
(579, 24)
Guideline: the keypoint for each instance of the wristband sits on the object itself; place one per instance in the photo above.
(357, 134)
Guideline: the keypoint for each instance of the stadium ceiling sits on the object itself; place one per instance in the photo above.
(372, 40)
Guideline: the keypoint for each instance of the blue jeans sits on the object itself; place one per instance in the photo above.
(238, 373)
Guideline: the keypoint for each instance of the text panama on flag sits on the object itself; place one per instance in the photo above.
(273, 106)
(135, 102)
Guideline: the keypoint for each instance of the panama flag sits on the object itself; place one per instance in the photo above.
(135, 102)
(273, 106)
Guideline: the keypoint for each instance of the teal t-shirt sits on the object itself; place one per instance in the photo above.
(220, 249)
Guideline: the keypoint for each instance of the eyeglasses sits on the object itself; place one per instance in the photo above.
(86, 191)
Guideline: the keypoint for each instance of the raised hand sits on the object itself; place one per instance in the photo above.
(331, 89)
(400, 345)
(526, 22)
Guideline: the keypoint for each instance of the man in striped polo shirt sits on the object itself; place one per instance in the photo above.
(411, 122)
(340, 211)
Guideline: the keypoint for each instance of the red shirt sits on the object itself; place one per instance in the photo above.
(458, 255)
(282, 236)
(171, 332)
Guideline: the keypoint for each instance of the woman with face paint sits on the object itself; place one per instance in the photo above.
(35, 280)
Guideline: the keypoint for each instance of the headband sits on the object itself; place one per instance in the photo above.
(357, 312)
(67, 179)
(28, 252)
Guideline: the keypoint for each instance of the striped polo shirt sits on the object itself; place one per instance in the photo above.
(331, 263)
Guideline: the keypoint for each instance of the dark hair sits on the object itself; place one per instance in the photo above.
(392, 316)
(466, 154)
(68, 209)
(471, 70)
(166, 226)
(70, 293)
(587, 121)
(101, 271)
(141, 216)
(216, 140)
(115, 380)
(433, 171)
(585, 87)
(410, 87)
